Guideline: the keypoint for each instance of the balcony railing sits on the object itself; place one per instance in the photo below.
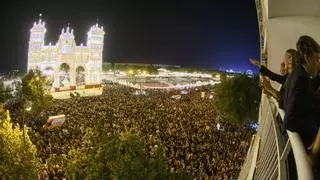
(267, 157)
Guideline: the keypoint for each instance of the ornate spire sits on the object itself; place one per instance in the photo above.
(40, 15)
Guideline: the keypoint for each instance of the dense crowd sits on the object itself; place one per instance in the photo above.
(185, 129)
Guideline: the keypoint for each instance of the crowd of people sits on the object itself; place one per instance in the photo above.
(191, 134)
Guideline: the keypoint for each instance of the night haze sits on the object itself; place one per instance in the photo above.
(219, 34)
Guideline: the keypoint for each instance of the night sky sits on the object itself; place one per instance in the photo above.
(215, 34)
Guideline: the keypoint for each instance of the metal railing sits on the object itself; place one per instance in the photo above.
(267, 157)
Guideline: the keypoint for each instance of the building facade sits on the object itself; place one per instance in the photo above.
(68, 66)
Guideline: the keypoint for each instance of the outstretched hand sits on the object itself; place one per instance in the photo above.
(265, 83)
(267, 93)
(255, 62)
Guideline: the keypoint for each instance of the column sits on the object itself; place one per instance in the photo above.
(72, 78)
(87, 79)
(56, 82)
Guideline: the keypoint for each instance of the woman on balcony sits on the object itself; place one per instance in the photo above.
(287, 66)
(300, 98)
(299, 102)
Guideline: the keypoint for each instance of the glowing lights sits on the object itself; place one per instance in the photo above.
(183, 87)
(144, 72)
(130, 72)
(218, 126)
(67, 52)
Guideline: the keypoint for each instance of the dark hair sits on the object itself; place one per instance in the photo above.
(293, 54)
(306, 46)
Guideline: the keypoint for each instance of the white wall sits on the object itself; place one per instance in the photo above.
(283, 34)
(285, 8)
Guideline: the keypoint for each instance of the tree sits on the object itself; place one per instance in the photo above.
(238, 98)
(152, 70)
(5, 92)
(34, 89)
(31, 92)
(214, 74)
(223, 76)
(107, 67)
(121, 156)
(17, 155)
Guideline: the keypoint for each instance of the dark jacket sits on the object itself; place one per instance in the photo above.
(273, 76)
(278, 78)
(300, 105)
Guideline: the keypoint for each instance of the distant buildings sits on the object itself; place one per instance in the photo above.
(10, 75)
(140, 64)
(248, 72)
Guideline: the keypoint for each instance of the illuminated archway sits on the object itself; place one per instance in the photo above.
(64, 75)
(80, 76)
(49, 72)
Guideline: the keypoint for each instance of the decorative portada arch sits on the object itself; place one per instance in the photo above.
(49, 71)
(70, 66)
(64, 76)
(80, 76)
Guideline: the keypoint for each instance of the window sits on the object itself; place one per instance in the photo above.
(66, 49)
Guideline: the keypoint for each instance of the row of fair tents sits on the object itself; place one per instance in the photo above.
(177, 86)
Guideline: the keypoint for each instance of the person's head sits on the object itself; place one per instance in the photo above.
(308, 51)
(290, 60)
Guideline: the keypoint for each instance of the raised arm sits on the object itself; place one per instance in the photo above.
(266, 72)
(273, 76)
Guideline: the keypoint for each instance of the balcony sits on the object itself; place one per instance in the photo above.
(267, 157)
(281, 23)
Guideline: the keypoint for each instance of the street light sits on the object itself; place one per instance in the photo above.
(28, 108)
(27, 105)
(130, 72)
(37, 80)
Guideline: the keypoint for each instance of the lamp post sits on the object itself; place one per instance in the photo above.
(37, 81)
(26, 107)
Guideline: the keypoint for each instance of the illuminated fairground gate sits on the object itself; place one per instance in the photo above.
(281, 23)
(67, 65)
